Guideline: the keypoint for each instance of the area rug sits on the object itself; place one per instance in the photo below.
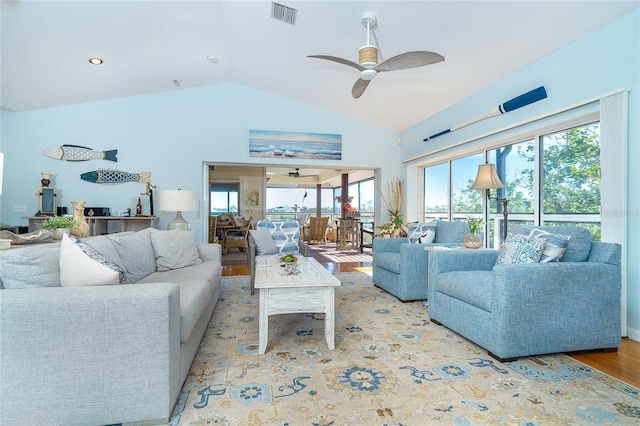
(391, 366)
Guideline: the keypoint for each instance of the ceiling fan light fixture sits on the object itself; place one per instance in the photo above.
(368, 74)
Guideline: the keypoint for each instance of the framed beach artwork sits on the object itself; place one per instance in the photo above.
(275, 144)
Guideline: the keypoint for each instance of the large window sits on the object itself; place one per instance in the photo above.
(224, 198)
(553, 179)
(286, 203)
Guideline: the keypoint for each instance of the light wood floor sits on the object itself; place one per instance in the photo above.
(622, 364)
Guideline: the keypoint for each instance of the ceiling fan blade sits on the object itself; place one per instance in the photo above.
(338, 60)
(359, 87)
(409, 60)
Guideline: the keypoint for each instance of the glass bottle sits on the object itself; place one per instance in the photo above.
(139, 208)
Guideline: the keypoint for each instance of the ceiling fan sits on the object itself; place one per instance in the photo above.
(295, 174)
(368, 59)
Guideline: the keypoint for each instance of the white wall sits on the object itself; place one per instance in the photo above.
(170, 134)
(604, 61)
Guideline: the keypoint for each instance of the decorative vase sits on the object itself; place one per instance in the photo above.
(396, 233)
(472, 241)
(59, 232)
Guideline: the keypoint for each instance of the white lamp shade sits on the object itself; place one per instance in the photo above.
(177, 200)
(487, 178)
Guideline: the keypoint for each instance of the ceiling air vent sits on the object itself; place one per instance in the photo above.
(284, 13)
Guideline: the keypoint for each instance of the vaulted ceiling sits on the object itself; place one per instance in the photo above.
(155, 46)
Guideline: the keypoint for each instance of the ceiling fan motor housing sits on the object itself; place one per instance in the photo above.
(368, 56)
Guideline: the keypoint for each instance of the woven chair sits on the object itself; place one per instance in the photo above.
(213, 221)
(316, 231)
(237, 237)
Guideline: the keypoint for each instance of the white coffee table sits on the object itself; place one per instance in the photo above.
(310, 291)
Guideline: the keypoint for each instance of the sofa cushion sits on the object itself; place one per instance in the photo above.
(104, 246)
(81, 265)
(285, 234)
(264, 242)
(175, 249)
(579, 245)
(418, 230)
(520, 249)
(554, 248)
(473, 287)
(30, 267)
(389, 261)
(136, 253)
(450, 232)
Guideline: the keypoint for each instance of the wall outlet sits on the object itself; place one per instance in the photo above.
(19, 209)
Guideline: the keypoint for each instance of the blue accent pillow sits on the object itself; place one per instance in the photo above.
(556, 243)
(520, 249)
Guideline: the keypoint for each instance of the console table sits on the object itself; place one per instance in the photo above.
(99, 225)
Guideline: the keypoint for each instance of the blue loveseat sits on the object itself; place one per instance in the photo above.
(516, 310)
(400, 266)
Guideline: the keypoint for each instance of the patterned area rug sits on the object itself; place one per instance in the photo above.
(391, 366)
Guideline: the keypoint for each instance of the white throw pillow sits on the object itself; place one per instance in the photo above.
(264, 241)
(175, 249)
(82, 265)
(417, 230)
(427, 237)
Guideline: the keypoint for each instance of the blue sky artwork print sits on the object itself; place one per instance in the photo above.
(275, 144)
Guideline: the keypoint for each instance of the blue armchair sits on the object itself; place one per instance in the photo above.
(400, 267)
(516, 310)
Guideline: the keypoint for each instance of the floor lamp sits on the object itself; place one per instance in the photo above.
(487, 179)
(172, 200)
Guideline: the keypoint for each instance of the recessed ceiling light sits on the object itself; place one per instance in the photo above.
(95, 61)
(213, 59)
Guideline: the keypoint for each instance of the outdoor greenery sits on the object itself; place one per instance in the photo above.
(570, 179)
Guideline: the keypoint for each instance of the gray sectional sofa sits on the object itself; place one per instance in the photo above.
(102, 354)
(521, 309)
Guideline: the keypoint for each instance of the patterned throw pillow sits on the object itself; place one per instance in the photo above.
(419, 230)
(427, 237)
(286, 234)
(81, 265)
(556, 243)
(520, 249)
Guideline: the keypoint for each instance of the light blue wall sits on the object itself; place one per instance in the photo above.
(604, 61)
(170, 134)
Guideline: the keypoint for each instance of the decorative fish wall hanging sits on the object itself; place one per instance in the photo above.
(113, 176)
(79, 153)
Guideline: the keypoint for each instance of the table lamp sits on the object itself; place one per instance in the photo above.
(177, 200)
(488, 179)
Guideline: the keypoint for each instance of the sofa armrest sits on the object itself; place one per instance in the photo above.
(98, 349)
(383, 245)
(210, 251)
(558, 298)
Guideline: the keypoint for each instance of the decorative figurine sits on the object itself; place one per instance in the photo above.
(82, 230)
(47, 196)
